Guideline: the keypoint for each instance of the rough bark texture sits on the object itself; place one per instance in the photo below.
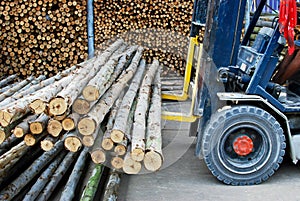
(70, 188)
(8, 143)
(9, 192)
(120, 124)
(88, 124)
(16, 152)
(153, 157)
(112, 187)
(91, 187)
(45, 177)
(56, 177)
(7, 80)
(139, 125)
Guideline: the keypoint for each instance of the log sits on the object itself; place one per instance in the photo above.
(45, 177)
(82, 106)
(87, 125)
(8, 143)
(131, 166)
(5, 132)
(139, 125)
(117, 162)
(16, 152)
(48, 143)
(92, 185)
(154, 157)
(112, 187)
(70, 122)
(22, 128)
(70, 188)
(120, 150)
(56, 177)
(38, 125)
(120, 124)
(54, 127)
(97, 154)
(73, 141)
(10, 191)
(31, 140)
(7, 80)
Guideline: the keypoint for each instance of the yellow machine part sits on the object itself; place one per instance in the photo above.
(186, 117)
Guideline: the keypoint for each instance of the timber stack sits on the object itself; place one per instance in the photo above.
(106, 110)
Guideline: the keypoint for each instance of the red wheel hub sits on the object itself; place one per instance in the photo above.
(243, 145)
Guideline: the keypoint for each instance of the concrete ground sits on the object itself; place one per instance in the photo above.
(185, 177)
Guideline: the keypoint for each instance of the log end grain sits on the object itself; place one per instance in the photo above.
(18, 132)
(131, 166)
(107, 144)
(90, 93)
(5, 118)
(153, 161)
(98, 156)
(137, 154)
(29, 140)
(117, 162)
(54, 127)
(37, 106)
(58, 106)
(88, 140)
(2, 136)
(120, 150)
(47, 145)
(72, 144)
(36, 128)
(86, 126)
(81, 106)
(117, 136)
(68, 124)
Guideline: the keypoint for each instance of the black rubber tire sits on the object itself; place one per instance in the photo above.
(264, 159)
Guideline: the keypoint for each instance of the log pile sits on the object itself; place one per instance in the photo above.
(47, 135)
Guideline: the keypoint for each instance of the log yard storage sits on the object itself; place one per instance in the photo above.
(149, 100)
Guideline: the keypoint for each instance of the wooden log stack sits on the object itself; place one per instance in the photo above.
(43, 137)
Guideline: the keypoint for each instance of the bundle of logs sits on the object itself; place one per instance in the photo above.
(46, 37)
(108, 106)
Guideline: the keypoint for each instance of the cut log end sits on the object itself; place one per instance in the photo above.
(86, 126)
(5, 118)
(90, 93)
(131, 166)
(117, 162)
(37, 106)
(98, 156)
(47, 145)
(68, 124)
(88, 140)
(36, 128)
(18, 132)
(54, 128)
(117, 136)
(120, 150)
(137, 154)
(2, 136)
(29, 140)
(81, 106)
(153, 161)
(107, 144)
(72, 144)
(57, 106)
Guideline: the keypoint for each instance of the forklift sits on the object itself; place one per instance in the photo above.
(243, 120)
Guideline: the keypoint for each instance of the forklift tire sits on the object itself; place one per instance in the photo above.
(243, 145)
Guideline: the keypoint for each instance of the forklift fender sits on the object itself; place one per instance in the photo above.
(236, 97)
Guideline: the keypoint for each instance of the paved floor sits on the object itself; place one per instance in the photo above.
(185, 177)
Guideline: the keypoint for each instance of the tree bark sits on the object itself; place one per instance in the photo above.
(7, 80)
(73, 141)
(38, 125)
(112, 187)
(153, 157)
(119, 128)
(16, 152)
(88, 124)
(45, 177)
(70, 188)
(139, 125)
(8, 144)
(91, 187)
(56, 177)
(10, 191)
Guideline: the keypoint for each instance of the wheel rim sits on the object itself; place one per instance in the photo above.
(244, 148)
